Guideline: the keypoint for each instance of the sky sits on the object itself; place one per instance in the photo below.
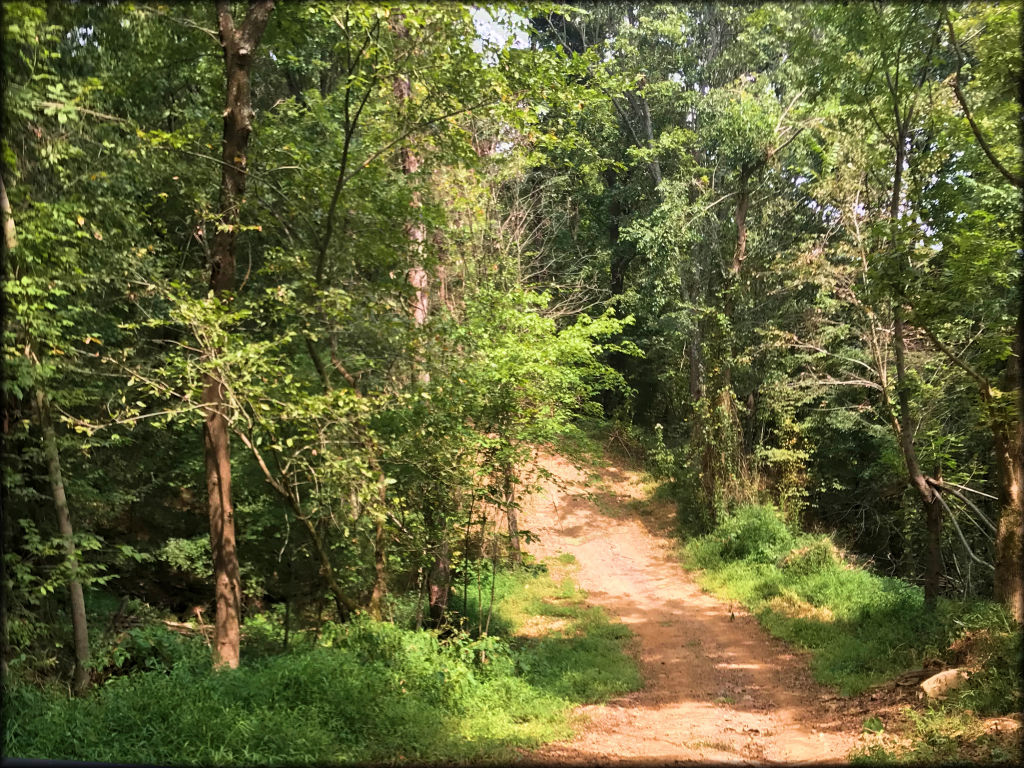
(497, 31)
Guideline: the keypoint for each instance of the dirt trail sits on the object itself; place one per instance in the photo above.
(718, 687)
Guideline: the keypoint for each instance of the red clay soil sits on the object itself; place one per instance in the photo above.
(718, 687)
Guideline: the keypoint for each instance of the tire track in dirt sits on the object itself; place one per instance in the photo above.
(718, 687)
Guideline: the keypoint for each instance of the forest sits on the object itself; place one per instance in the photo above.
(300, 298)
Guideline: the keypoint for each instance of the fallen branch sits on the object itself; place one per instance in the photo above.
(183, 628)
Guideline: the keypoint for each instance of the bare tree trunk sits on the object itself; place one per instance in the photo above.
(10, 237)
(380, 572)
(1015, 593)
(1010, 536)
(380, 580)
(60, 503)
(1009, 445)
(239, 46)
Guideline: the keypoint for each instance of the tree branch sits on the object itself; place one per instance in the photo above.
(946, 487)
(954, 81)
(960, 533)
(986, 391)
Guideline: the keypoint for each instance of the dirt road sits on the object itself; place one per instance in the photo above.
(718, 687)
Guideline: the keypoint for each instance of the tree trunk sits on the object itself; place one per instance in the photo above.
(414, 229)
(620, 257)
(342, 602)
(905, 432)
(643, 112)
(732, 286)
(440, 579)
(1009, 447)
(1004, 422)
(79, 626)
(227, 581)
(740, 253)
(380, 580)
(440, 572)
(639, 106)
(380, 572)
(513, 519)
(932, 505)
(10, 241)
(10, 238)
(696, 381)
(1014, 592)
(239, 46)
(725, 457)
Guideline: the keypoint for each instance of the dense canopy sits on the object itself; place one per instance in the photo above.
(292, 291)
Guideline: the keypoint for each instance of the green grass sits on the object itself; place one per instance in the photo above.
(944, 736)
(367, 692)
(863, 629)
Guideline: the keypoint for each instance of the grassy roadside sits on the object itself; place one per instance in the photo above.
(363, 692)
(863, 629)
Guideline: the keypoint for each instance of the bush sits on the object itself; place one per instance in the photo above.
(755, 533)
(811, 554)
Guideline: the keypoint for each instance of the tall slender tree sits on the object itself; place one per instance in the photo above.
(239, 45)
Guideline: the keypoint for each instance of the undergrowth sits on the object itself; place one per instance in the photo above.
(364, 692)
(864, 629)
(945, 735)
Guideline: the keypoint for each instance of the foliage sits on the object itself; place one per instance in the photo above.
(774, 249)
(368, 691)
(756, 534)
(861, 628)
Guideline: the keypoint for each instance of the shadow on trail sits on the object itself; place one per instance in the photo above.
(717, 687)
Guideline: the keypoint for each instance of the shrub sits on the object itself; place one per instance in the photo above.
(755, 533)
(810, 555)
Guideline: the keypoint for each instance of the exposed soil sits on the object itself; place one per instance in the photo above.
(718, 687)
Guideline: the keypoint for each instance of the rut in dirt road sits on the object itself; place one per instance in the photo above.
(718, 687)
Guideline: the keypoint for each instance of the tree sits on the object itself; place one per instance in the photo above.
(239, 49)
(44, 417)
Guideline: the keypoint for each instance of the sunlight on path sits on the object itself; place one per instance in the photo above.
(718, 687)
